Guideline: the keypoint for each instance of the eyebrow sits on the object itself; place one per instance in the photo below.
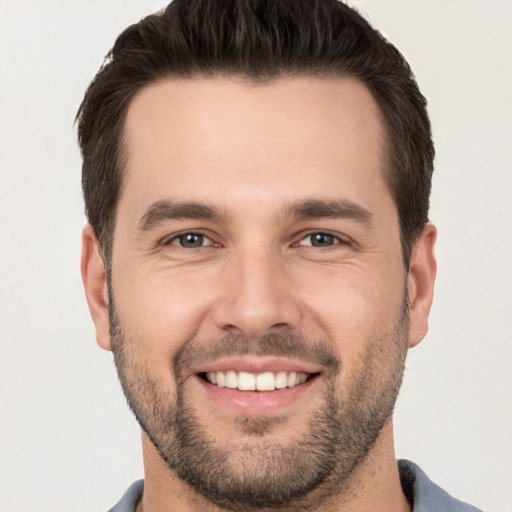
(163, 210)
(329, 209)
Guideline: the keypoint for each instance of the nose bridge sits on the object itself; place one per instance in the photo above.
(257, 297)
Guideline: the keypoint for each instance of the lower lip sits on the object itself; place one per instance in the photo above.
(256, 402)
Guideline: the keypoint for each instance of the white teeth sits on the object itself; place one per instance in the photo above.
(246, 381)
(231, 379)
(281, 380)
(267, 381)
(221, 379)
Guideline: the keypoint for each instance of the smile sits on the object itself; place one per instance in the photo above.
(257, 385)
(266, 381)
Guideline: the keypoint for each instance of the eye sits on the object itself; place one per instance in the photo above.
(320, 240)
(190, 240)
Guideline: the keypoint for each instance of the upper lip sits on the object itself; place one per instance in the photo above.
(257, 365)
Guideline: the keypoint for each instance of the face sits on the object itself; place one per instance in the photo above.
(258, 300)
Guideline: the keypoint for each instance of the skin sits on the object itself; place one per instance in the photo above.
(249, 151)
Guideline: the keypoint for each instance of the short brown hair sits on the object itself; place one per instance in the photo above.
(260, 40)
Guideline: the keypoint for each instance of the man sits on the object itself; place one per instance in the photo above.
(258, 256)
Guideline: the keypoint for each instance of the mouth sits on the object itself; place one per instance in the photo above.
(257, 385)
(266, 381)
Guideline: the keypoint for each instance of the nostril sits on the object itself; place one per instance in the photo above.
(280, 326)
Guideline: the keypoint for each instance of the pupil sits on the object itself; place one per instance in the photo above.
(191, 240)
(321, 239)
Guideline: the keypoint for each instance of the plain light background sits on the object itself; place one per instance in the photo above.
(67, 439)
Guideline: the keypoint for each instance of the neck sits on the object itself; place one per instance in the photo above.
(374, 485)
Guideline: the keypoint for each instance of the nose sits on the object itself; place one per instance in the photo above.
(256, 296)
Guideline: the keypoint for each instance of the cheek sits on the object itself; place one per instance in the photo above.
(161, 311)
(351, 306)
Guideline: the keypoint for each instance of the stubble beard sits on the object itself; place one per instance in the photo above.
(255, 473)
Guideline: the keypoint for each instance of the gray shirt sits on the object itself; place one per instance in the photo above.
(424, 494)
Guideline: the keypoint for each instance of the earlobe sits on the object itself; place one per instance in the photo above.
(94, 278)
(420, 283)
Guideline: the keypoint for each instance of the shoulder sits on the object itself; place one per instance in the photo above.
(425, 495)
(128, 503)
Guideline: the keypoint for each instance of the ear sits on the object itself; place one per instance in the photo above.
(420, 283)
(94, 278)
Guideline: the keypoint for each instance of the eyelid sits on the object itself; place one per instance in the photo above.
(168, 240)
(339, 239)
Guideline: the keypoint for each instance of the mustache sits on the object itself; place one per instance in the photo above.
(285, 345)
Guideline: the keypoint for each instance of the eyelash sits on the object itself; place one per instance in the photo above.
(336, 240)
(176, 238)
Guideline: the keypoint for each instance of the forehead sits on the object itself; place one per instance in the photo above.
(191, 138)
